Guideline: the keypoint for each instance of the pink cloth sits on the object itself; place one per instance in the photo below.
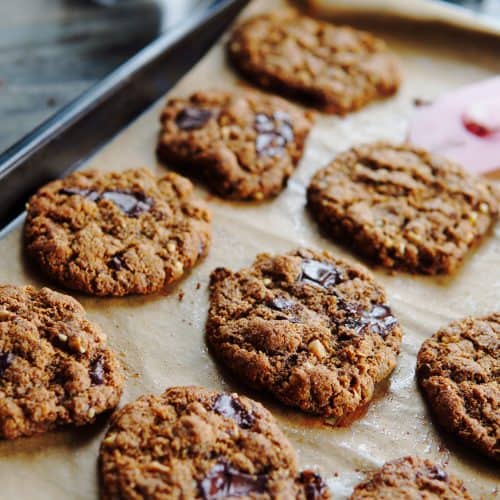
(463, 125)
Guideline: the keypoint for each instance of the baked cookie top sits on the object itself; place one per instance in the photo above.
(243, 145)
(335, 68)
(411, 478)
(55, 367)
(402, 206)
(312, 329)
(117, 233)
(192, 442)
(458, 370)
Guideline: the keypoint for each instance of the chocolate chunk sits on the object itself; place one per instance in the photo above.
(193, 118)
(379, 319)
(224, 481)
(438, 473)
(319, 273)
(132, 204)
(115, 263)
(280, 304)
(231, 407)
(90, 194)
(6, 359)
(274, 133)
(96, 371)
(314, 486)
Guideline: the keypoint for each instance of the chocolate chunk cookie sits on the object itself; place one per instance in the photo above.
(191, 442)
(117, 233)
(242, 145)
(411, 477)
(312, 329)
(335, 68)
(402, 207)
(458, 370)
(55, 368)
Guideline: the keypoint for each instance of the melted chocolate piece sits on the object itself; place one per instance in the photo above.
(224, 481)
(90, 194)
(438, 473)
(274, 133)
(96, 371)
(6, 359)
(379, 319)
(115, 263)
(193, 118)
(280, 304)
(314, 486)
(319, 273)
(230, 407)
(132, 204)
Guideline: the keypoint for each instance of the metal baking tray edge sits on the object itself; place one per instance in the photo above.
(68, 138)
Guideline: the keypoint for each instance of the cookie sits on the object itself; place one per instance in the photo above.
(242, 145)
(312, 329)
(458, 370)
(411, 477)
(335, 68)
(117, 233)
(402, 207)
(191, 442)
(55, 367)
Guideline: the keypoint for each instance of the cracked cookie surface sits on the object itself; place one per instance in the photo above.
(191, 442)
(411, 478)
(312, 329)
(335, 68)
(243, 145)
(458, 370)
(117, 233)
(55, 367)
(402, 207)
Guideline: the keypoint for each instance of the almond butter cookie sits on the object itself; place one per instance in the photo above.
(402, 207)
(191, 442)
(117, 233)
(243, 145)
(312, 329)
(55, 367)
(458, 370)
(411, 478)
(335, 68)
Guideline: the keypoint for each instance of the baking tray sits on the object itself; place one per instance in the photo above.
(60, 144)
(160, 339)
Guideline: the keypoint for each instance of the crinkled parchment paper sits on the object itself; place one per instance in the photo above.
(161, 339)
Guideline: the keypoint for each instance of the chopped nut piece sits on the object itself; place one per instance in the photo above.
(317, 348)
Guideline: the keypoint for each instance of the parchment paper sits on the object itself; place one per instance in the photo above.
(161, 339)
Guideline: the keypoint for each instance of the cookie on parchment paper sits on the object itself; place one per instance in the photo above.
(458, 370)
(117, 233)
(411, 478)
(310, 328)
(192, 442)
(243, 145)
(335, 68)
(55, 366)
(402, 207)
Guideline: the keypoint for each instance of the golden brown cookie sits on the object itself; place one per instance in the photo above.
(458, 370)
(191, 442)
(312, 329)
(411, 478)
(402, 207)
(55, 367)
(243, 145)
(335, 68)
(117, 233)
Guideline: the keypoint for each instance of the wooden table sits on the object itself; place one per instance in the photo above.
(52, 50)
